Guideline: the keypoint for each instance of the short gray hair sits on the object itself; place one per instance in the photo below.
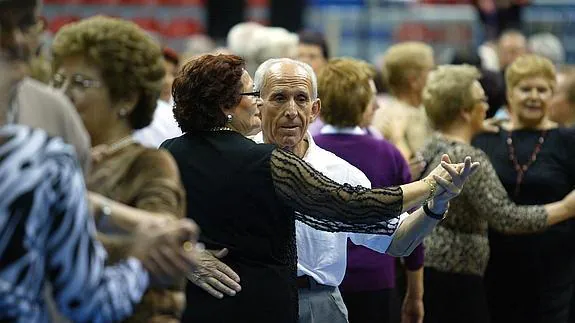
(547, 45)
(264, 68)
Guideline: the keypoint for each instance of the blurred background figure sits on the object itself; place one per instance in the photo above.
(531, 157)
(457, 252)
(547, 45)
(492, 82)
(113, 73)
(171, 65)
(49, 240)
(562, 108)
(348, 101)
(275, 42)
(163, 125)
(198, 45)
(511, 44)
(241, 41)
(31, 102)
(403, 121)
(313, 49)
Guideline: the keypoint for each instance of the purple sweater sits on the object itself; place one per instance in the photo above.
(382, 163)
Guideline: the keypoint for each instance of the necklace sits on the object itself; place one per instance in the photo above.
(102, 151)
(221, 129)
(120, 144)
(522, 169)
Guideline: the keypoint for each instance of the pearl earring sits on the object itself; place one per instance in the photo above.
(229, 118)
(123, 112)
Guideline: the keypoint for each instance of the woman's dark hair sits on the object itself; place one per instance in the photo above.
(309, 37)
(171, 56)
(203, 87)
(466, 55)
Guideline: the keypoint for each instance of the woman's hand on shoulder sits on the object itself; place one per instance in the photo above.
(492, 125)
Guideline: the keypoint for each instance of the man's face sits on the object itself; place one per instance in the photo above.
(510, 47)
(16, 19)
(312, 55)
(14, 25)
(287, 105)
(171, 70)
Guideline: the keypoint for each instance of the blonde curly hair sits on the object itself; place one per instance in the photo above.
(130, 61)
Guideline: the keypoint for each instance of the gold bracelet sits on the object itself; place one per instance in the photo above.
(432, 188)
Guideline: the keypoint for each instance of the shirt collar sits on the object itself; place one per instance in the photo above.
(311, 149)
(329, 130)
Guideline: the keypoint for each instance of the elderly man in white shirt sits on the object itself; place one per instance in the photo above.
(322, 255)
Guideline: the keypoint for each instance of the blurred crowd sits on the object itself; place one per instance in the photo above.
(272, 181)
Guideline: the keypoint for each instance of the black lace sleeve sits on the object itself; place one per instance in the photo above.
(325, 205)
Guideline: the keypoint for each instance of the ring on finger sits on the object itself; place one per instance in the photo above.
(188, 246)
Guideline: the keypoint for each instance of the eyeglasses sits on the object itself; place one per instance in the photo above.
(76, 81)
(255, 94)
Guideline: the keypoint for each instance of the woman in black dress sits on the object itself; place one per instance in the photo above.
(243, 195)
(529, 278)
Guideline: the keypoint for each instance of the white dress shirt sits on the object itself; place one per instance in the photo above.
(163, 127)
(323, 255)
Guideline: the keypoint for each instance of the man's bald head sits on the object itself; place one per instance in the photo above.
(284, 67)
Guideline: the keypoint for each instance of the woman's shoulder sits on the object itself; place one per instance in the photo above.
(457, 151)
(156, 161)
(567, 134)
(565, 141)
(32, 142)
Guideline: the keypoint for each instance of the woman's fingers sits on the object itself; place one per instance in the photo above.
(453, 173)
(446, 185)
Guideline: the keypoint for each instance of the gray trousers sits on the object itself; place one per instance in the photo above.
(321, 304)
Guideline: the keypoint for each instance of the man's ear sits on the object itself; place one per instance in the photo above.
(315, 109)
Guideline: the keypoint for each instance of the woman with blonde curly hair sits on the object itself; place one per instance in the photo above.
(530, 278)
(113, 73)
(457, 251)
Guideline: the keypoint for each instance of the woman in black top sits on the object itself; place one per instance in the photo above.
(243, 195)
(530, 278)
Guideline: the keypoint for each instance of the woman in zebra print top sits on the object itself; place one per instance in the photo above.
(47, 234)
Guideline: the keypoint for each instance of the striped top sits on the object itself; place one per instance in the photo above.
(47, 234)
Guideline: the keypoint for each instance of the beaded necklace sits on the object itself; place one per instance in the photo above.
(522, 169)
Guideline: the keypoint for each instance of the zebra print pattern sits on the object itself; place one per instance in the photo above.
(47, 234)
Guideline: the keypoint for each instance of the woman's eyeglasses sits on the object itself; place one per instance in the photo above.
(76, 81)
(255, 94)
